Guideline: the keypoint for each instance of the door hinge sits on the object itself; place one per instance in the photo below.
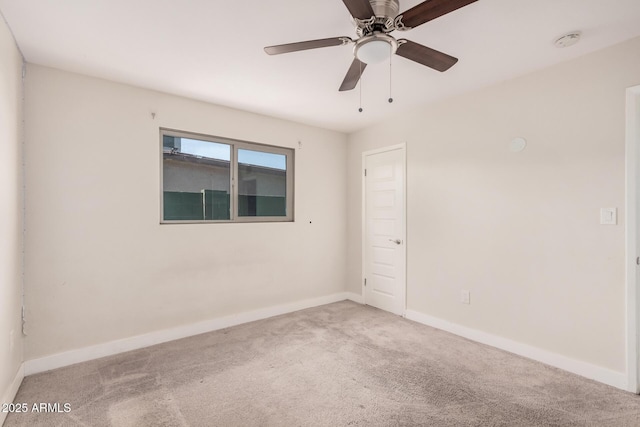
(638, 260)
(365, 172)
(365, 281)
(24, 321)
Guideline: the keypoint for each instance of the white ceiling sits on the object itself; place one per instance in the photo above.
(212, 50)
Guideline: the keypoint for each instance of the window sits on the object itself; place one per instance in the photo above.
(199, 176)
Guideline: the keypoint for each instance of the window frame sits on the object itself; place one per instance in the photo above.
(235, 145)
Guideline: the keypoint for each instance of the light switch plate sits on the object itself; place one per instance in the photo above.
(608, 216)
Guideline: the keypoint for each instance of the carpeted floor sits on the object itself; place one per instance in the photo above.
(341, 364)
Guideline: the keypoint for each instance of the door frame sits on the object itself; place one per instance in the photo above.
(632, 280)
(403, 148)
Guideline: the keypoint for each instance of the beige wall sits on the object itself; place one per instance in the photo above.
(11, 212)
(519, 230)
(99, 265)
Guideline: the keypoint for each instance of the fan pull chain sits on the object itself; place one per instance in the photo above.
(390, 55)
(360, 84)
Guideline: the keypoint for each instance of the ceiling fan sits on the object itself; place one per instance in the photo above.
(375, 20)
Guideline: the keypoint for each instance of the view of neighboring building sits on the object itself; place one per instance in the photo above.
(197, 182)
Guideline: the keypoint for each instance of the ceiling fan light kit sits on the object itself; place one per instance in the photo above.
(375, 48)
(374, 21)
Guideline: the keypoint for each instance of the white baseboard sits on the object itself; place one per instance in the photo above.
(10, 393)
(71, 357)
(594, 372)
(352, 296)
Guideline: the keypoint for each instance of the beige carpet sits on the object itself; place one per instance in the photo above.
(341, 364)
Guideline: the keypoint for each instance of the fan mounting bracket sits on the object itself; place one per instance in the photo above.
(399, 25)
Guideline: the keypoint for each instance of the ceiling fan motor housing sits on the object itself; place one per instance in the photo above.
(385, 8)
(383, 19)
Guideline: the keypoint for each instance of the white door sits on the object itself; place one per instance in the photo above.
(635, 263)
(633, 237)
(384, 230)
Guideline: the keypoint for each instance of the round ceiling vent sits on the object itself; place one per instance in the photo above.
(568, 39)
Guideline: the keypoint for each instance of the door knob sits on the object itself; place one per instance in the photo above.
(396, 241)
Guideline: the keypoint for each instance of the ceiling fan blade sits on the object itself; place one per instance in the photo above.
(353, 75)
(311, 44)
(431, 9)
(360, 9)
(425, 55)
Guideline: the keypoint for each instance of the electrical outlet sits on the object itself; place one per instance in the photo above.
(465, 297)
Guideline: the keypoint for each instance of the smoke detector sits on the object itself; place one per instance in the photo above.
(568, 39)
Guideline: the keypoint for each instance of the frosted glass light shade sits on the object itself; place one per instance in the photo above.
(374, 51)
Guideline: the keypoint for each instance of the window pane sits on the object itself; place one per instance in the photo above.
(262, 183)
(196, 184)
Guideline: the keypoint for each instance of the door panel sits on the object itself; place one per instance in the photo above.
(384, 252)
